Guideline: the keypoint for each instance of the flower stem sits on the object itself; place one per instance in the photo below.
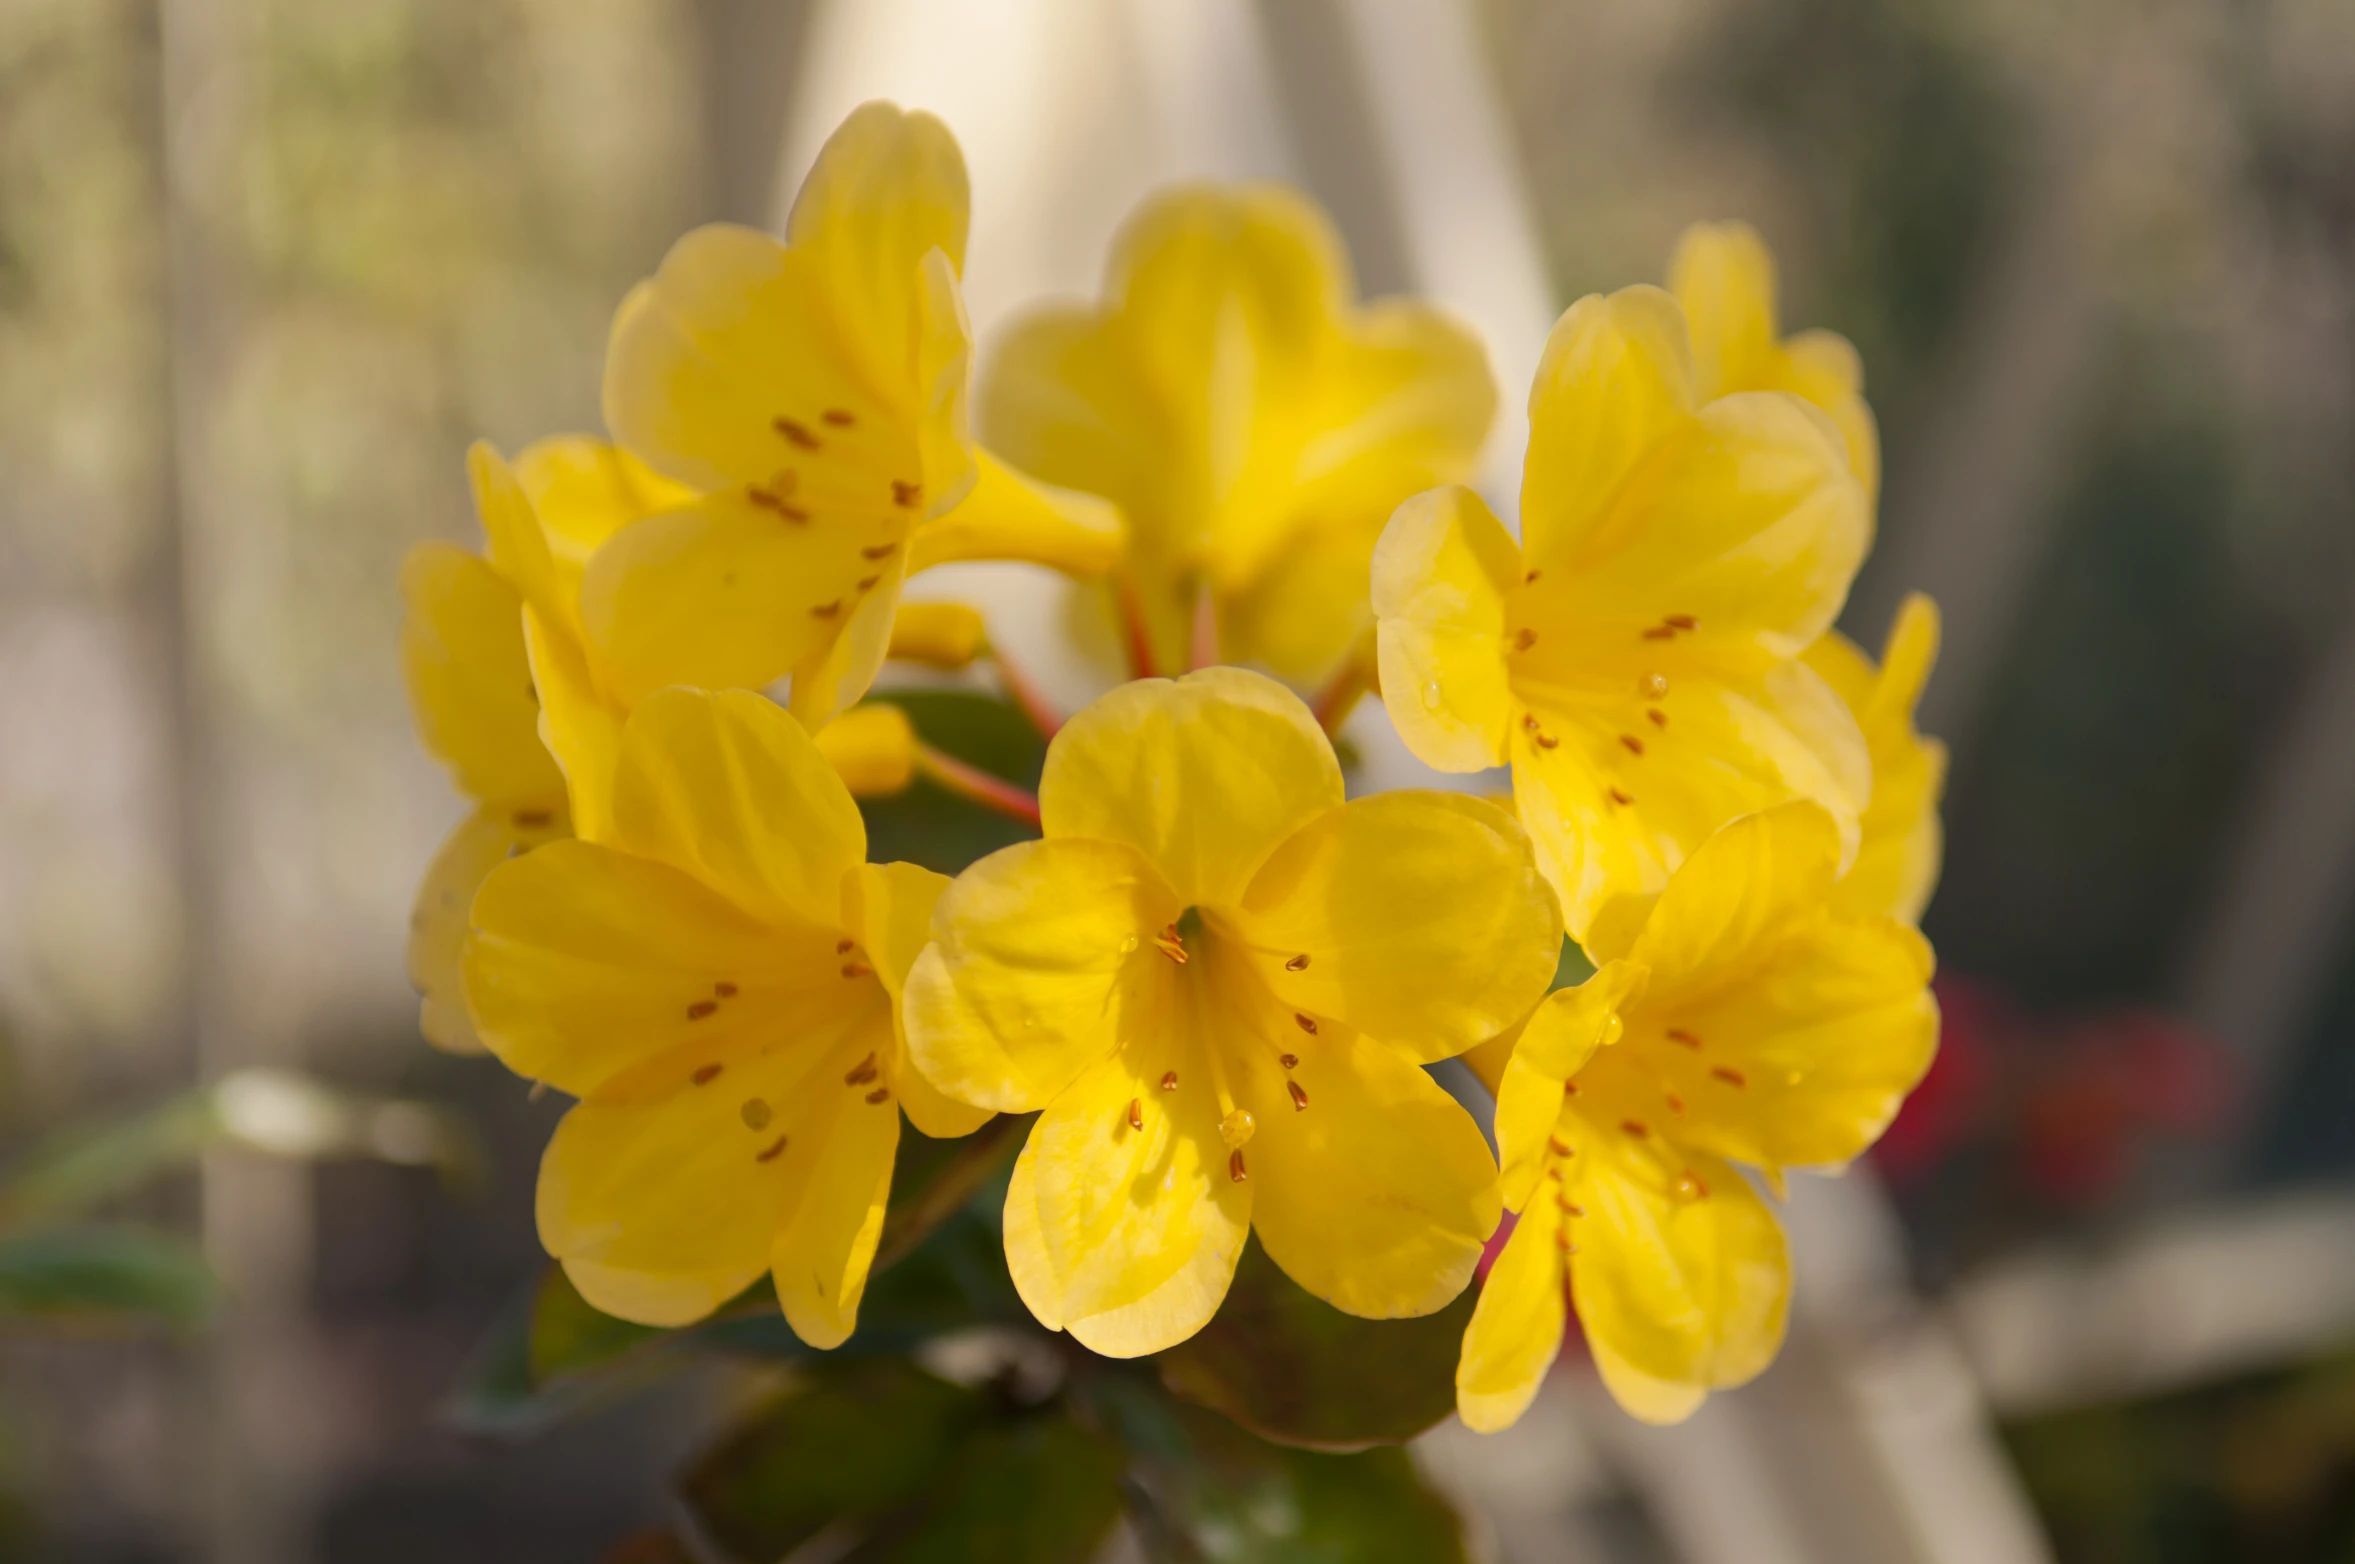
(1026, 696)
(973, 783)
(1202, 650)
(1135, 638)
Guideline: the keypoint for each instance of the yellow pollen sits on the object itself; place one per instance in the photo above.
(1235, 1129)
(756, 1114)
(1299, 1095)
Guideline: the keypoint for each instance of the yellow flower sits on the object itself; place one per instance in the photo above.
(1740, 1017)
(719, 987)
(508, 697)
(1219, 981)
(1254, 424)
(1635, 658)
(1724, 278)
(812, 393)
(1901, 842)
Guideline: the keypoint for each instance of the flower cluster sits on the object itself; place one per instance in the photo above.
(1215, 978)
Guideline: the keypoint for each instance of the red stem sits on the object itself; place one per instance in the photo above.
(1026, 695)
(1203, 649)
(1135, 637)
(971, 782)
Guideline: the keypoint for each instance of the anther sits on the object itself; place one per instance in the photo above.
(880, 1094)
(857, 969)
(701, 1008)
(1632, 744)
(1731, 1076)
(862, 1072)
(1681, 622)
(708, 1074)
(879, 551)
(1298, 963)
(867, 583)
(1659, 633)
(1562, 1238)
(1675, 1103)
(724, 988)
(1524, 638)
(843, 947)
(532, 819)
(1169, 1080)
(756, 1114)
(775, 1149)
(1299, 1095)
(1635, 1127)
(1532, 576)
(1529, 720)
(1289, 1061)
(1658, 717)
(906, 495)
(1547, 741)
(840, 418)
(1307, 1023)
(1620, 798)
(1236, 1128)
(827, 610)
(1677, 1034)
(1569, 1088)
(1136, 1114)
(1171, 943)
(1559, 1147)
(793, 513)
(1235, 1169)
(797, 433)
(1570, 1208)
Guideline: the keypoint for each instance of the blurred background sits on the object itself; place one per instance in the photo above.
(266, 266)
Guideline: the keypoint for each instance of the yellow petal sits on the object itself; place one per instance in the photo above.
(1902, 843)
(770, 1160)
(1562, 1035)
(1823, 367)
(839, 674)
(655, 1297)
(518, 546)
(727, 593)
(939, 635)
(1640, 1396)
(437, 922)
(1616, 380)
(820, 1258)
(470, 683)
(1205, 776)
(1421, 917)
(872, 748)
(590, 968)
(1681, 1273)
(1724, 278)
(1101, 1215)
(584, 490)
(1746, 889)
(1516, 1328)
(729, 789)
(894, 920)
(1307, 610)
(1040, 966)
(1010, 516)
(1440, 575)
(577, 724)
(1378, 1194)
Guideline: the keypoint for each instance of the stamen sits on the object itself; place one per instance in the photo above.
(1299, 1095)
(1562, 1237)
(756, 1114)
(1731, 1076)
(1298, 963)
(1635, 1127)
(839, 417)
(708, 1074)
(1681, 622)
(843, 947)
(862, 1072)
(701, 1008)
(827, 610)
(1691, 1187)
(1675, 1103)
(1136, 1114)
(857, 969)
(799, 434)
(724, 988)
(879, 551)
(1677, 1034)
(1307, 1023)
(778, 503)
(776, 1149)
(1659, 633)
(1289, 1061)
(1529, 720)
(1547, 741)
(1237, 1127)
(1569, 1088)
(1169, 1080)
(867, 583)
(1171, 943)
(1532, 576)
(1620, 798)
(1235, 1169)
(1524, 638)
(880, 1094)
(906, 495)
(1559, 1147)
(1659, 717)
(532, 819)
(1570, 1208)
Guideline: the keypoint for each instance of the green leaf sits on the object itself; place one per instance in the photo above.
(862, 1438)
(1040, 1491)
(935, 1179)
(930, 826)
(103, 1275)
(1202, 1489)
(570, 1335)
(1574, 968)
(1293, 1369)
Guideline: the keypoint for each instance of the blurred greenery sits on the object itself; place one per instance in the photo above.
(926, 825)
(97, 1276)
